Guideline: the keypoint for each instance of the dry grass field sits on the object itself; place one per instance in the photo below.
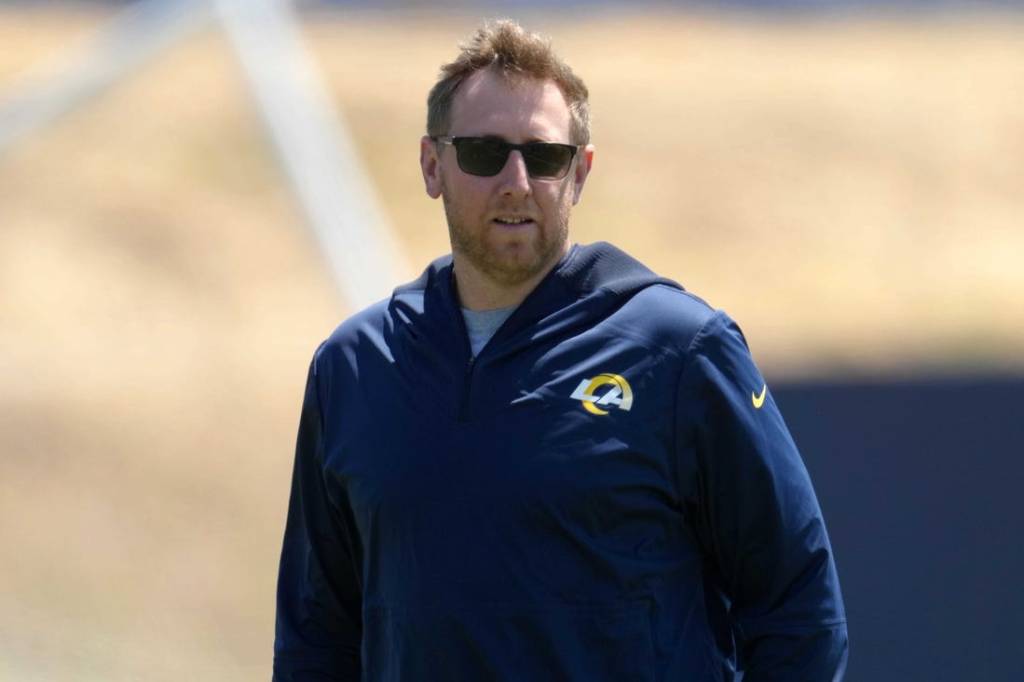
(852, 192)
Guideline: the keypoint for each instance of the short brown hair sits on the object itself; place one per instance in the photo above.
(508, 49)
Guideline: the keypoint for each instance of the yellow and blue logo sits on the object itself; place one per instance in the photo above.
(604, 390)
(758, 400)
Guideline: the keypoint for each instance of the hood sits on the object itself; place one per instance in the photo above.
(427, 334)
(589, 283)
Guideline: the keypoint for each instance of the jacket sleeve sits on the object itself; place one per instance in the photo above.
(754, 512)
(318, 629)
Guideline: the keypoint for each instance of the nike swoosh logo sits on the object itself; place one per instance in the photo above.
(758, 400)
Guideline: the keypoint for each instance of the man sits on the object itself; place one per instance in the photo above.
(541, 461)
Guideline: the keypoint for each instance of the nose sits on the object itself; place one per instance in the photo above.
(515, 181)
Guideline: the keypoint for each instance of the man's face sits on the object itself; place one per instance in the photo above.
(479, 209)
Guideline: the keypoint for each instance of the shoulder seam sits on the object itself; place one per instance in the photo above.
(687, 363)
(688, 294)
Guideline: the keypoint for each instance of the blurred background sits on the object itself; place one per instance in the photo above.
(846, 179)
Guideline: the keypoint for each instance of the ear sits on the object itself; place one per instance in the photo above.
(430, 164)
(584, 160)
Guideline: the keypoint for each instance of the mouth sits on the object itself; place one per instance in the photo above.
(513, 221)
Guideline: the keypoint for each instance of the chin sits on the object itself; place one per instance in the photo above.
(511, 272)
(520, 265)
(508, 259)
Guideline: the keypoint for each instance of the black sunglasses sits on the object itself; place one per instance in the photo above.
(486, 156)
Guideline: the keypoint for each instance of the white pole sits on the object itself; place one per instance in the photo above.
(315, 148)
(310, 139)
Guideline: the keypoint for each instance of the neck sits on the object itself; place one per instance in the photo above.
(477, 291)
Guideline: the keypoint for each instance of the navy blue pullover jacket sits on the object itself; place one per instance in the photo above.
(606, 493)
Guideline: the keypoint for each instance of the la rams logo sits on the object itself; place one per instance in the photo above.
(604, 390)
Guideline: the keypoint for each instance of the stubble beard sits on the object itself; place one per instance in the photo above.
(507, 267)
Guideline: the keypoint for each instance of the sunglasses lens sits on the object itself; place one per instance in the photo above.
(486, 157)
(545, 160)
(481, 156)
